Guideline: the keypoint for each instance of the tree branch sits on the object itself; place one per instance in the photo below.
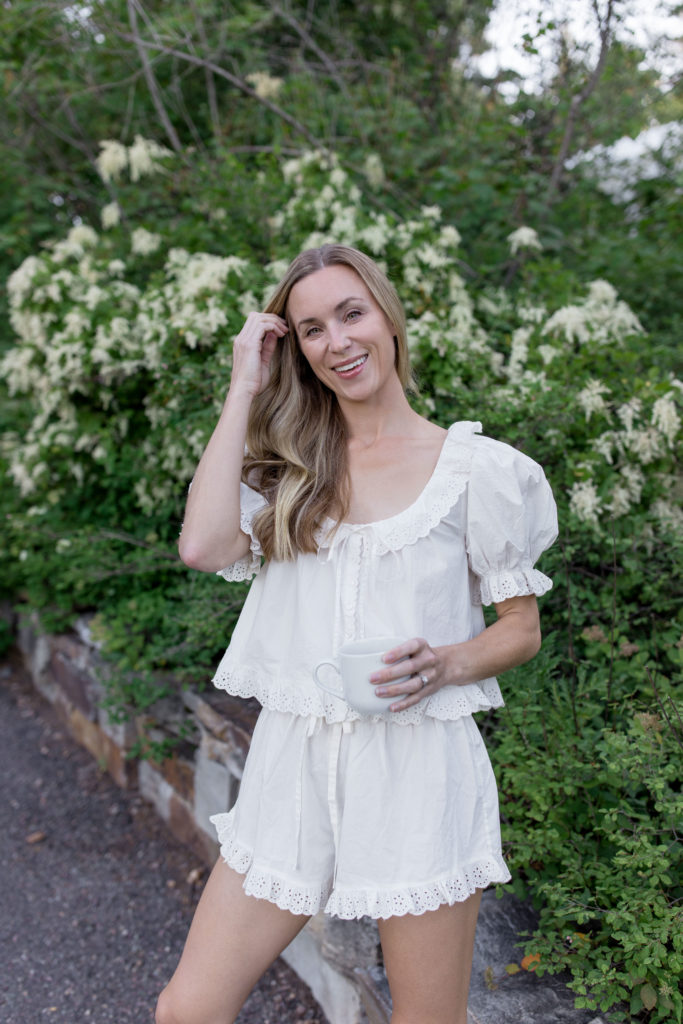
(239, 83)
(310, 42)
(150, 78)
(208, 75)
(605, 26)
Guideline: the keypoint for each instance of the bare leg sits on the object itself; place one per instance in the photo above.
(428, 960)
(233, 939)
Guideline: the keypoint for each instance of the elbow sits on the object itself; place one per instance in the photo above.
(193, 556)
(188, 556)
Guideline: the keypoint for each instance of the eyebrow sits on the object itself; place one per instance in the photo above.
(337, 308)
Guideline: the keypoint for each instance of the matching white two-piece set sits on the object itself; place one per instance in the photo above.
(395, 813)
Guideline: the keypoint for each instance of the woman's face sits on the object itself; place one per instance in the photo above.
(343, 334)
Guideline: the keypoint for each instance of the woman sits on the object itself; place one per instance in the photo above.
(372, 521)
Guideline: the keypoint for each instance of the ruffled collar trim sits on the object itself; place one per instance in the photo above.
(437, 498)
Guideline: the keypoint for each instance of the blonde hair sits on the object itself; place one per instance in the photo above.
(296, 435)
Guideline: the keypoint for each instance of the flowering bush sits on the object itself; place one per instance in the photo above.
(122, 359)
(97, 326)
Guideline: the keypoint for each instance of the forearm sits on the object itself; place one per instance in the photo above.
(514, 638)
(511, 640)
(211, 537)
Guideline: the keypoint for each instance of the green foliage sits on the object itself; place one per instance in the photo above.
(588, 764)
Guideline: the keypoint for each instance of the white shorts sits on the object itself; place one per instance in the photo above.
(364, 818)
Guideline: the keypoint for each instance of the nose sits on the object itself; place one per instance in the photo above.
(339, 341)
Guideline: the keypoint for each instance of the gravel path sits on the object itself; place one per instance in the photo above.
(96, 895)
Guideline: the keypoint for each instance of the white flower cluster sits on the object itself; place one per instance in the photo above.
(110, 215)
(629, 449)
(591, 398)
(140, 159)
(265, 86)
(602, 318)
(523, 238)
(584, 501)
(373, 169)
(143, 242)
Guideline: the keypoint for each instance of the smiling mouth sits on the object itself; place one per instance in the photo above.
(348, 367)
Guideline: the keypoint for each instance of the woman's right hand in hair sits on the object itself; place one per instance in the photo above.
(253, 351)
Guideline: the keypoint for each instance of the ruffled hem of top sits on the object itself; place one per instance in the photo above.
(442, 490)
(518, 582)
(346, 903)
(447, 704)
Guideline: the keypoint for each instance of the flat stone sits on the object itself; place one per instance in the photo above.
(155, 789)
(215, 790)
(69, 665)
(182, 823)
(230, 719)
(347, 944)
(338, 997)
(497, 997)
(179, 773)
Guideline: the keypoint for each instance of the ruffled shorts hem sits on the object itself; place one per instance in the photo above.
(347, 903)
(266, 884)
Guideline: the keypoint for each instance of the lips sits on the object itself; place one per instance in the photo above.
(347, 368)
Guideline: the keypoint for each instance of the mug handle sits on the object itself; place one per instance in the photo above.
(324, 686)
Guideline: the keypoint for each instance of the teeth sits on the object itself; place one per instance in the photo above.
(350, 366)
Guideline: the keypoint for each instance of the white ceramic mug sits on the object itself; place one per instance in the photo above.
(355, 663)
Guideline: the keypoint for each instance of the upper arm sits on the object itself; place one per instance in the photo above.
(522, 615)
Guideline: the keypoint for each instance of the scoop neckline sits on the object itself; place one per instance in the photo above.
(340, 524)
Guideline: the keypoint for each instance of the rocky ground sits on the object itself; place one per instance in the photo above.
(97, 896)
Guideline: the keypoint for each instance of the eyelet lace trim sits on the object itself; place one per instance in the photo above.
(351, 903)
(245, 568)
(447, 704)
(519, 582)
(266, 885)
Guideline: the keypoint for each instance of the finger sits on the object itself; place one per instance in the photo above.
(268, 347)
(404, 650)
(413, 684)
(414, 697)
(257, 325)
(423, 659)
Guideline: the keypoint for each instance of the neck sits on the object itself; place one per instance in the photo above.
(368, 422)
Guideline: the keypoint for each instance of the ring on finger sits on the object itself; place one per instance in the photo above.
(423, 680)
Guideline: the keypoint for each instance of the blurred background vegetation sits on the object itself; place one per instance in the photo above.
(260, 109)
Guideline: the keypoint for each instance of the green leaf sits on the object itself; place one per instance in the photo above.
(648, 996)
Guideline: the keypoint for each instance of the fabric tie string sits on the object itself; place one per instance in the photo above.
(336, 734)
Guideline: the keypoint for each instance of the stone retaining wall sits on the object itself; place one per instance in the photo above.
(335, 958)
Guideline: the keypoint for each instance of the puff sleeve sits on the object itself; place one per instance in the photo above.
(511, 520)
(245, 568)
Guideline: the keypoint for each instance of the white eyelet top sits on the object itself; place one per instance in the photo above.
(471, 537)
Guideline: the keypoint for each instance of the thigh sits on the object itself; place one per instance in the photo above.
(428, 960)
(232, 940)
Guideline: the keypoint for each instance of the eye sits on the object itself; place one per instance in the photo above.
(310, 331)
(353, 314)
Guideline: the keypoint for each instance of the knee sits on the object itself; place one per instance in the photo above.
(166, 1010)
(172, 1009)
(176, 1007)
